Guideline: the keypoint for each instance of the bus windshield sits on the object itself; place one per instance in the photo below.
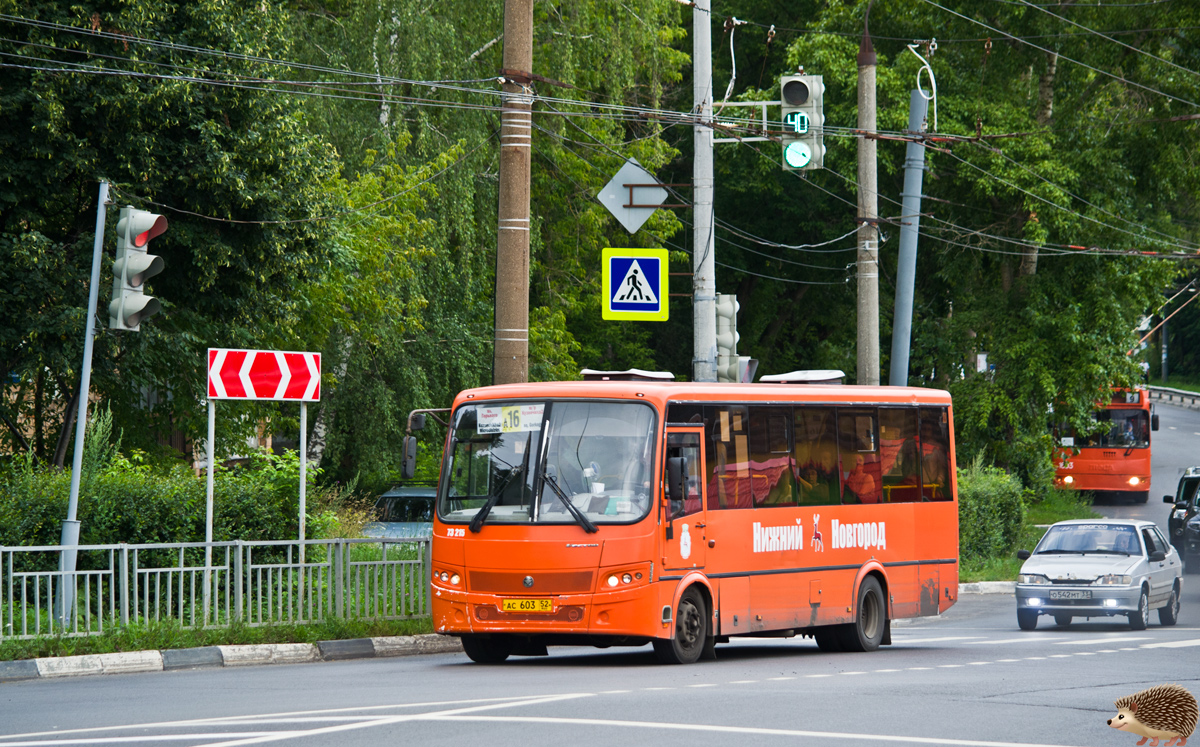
(1126, 428)
(522, 463)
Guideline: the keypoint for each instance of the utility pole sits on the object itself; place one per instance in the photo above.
(704, 280)
(868, 216)
(910, 225)
(510, 362)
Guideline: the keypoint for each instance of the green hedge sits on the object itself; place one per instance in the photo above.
(991, 511)
(127, 502)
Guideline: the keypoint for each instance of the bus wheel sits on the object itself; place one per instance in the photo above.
(828, 639)
(866, 632)
(691, 631)
(484, 649)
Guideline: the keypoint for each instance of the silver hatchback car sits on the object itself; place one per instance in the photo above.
(1100, 568)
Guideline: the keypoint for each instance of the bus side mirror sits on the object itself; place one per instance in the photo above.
(1154, 422)
(409, 468)
(676, 472)
(417, 422)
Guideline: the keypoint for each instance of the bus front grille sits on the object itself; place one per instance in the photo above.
(543, 582)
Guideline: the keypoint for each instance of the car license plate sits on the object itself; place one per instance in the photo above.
(528, 605)
(1067, 594)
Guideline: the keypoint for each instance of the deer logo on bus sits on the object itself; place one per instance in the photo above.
(818, 543)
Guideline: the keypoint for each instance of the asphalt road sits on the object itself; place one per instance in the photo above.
(969, 677)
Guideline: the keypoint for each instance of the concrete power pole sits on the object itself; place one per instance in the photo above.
(868, 216)
(510, 362)
(910, 226)
(704, 280)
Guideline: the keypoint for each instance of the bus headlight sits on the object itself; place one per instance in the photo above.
(1135, 480)
(613, 580)
(1069, 479)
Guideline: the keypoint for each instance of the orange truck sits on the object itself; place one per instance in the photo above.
(626, 509)
(1115, 459)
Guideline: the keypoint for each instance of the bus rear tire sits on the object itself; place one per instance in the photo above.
(485, 649)
(866, 632)
(691, 631)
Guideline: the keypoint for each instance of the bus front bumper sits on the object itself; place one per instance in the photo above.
(628, 612)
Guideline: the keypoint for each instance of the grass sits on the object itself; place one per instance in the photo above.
(1187, 383)
(168, 634)
(1058, 505)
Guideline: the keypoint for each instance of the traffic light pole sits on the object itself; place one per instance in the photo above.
(910, 225)
(70, 528)
(704, 279)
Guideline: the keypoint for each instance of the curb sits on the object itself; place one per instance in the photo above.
(209, 657)
(226, 656)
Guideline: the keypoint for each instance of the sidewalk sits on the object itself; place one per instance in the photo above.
(277, 653)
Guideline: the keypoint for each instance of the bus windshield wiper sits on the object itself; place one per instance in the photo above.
(580, 517)
(481, 516)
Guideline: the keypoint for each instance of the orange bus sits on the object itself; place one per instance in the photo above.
(634, 510)
(1116, 459)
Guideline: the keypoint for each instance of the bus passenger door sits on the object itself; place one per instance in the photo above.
(684, 527)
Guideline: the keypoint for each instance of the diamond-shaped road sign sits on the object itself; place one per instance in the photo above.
(264, 374)
(635, 285)
(632, 185)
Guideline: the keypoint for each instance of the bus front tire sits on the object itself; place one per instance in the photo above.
(866, 632)
(484, 649)
(691, 631)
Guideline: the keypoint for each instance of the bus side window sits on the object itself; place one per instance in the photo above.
(900, 460)
(770, 456)
(858, 447)
(935, 454)
(729, 458)
(815, 456)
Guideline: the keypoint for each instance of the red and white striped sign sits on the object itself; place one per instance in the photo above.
(264, 374)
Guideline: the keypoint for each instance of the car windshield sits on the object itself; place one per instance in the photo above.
(1112, 539)
(523, 462)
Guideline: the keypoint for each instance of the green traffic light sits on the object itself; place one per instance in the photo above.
(797, 154)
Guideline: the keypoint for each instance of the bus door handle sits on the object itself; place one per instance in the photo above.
(699, 525)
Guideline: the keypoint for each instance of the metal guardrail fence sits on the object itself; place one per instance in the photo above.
(252, 583)
(1171, 395)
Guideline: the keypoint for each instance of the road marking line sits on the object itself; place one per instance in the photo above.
(658, 688)
(919, 669)
(979, 663)
(1092, 641)
(156, 738)
(1061, 656)
(1129, 649)
(810, 676)
(1034, 658)
(614, 692)
(1107, 651)
(1173, 644)
(709, 684)
(888, 670)
(1086, 653)
(743, 682)
(1007, 661)
(1026, 639)
(721, 729)
(936, 640)
(781, 679)
(949, 666)
(853, 672)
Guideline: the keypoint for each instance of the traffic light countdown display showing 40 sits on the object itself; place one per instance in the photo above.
(133, 266)
(802, 105)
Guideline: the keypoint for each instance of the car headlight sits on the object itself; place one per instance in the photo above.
(1114, 579)
(1032, 578)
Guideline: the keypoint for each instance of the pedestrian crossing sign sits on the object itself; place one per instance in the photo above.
(635, 285)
